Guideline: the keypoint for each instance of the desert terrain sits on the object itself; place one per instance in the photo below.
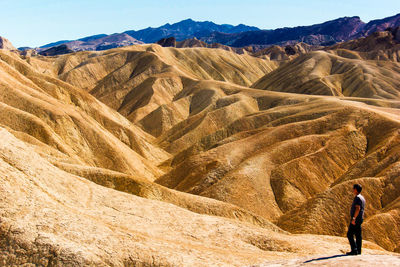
(146, 155)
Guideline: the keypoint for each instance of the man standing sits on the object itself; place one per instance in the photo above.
(357, 218)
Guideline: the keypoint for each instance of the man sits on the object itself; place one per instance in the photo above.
(357, 218)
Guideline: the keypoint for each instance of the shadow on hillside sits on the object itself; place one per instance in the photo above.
(326, 258)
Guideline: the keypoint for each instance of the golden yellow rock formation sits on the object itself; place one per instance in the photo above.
(146, 155)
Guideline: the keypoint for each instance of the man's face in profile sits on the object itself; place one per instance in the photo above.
(355, 192)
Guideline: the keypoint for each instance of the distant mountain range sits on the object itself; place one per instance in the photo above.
(187, 29)
(90, 43)
(183, 30)
(327, 33)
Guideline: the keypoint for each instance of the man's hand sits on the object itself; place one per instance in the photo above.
(353, 221)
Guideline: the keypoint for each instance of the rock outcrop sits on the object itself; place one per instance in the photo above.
(6, 44)
(167, 42)
(57, 50)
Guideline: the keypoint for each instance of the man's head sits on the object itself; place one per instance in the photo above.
(357, 188)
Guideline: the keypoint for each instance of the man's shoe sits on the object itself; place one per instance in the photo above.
(354, 252)
(358, 252)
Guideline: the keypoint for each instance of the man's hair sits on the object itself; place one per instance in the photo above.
(357, 187)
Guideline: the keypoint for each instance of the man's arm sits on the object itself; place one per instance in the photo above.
(356, 212)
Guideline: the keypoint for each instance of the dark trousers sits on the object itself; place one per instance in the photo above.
(355, 230)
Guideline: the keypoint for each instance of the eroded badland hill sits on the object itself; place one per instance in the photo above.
(161, 156)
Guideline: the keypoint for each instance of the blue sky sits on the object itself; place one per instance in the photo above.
(34, 23)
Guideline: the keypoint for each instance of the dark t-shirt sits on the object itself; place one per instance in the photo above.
(358, 200)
